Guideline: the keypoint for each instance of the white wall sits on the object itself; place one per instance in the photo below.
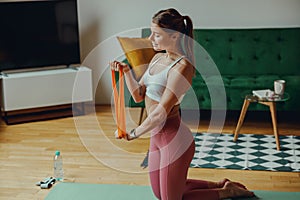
(100, 21)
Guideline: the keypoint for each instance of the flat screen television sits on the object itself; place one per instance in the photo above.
(37, 34)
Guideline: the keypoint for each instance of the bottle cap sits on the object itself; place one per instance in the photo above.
(57, 153)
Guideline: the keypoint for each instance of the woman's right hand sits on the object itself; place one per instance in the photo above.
(116, 66)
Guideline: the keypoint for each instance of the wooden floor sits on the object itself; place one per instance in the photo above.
(92, 155)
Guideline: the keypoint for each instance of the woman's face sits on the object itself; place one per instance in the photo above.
(161, 40)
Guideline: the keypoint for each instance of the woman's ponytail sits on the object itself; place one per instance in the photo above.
(189, 38)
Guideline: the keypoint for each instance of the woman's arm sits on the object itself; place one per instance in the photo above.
(179, 81)
(136, 89)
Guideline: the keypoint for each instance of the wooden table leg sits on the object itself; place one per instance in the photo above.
(274, 122)
(241, 118)
(272, 106)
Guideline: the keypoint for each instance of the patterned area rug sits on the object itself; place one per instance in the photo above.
(250, 152)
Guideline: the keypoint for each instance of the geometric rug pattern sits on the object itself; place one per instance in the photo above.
(249, 152)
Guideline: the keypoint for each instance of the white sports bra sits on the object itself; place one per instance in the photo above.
(156, 83)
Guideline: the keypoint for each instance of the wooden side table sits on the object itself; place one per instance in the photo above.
(271, 103)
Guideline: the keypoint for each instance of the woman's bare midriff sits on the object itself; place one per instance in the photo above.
(151, 105)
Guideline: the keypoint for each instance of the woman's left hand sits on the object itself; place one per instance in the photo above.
(128, 136)
(131, 135)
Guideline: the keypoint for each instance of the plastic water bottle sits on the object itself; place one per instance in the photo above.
(58, 166)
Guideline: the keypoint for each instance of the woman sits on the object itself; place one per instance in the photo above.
(163, 86)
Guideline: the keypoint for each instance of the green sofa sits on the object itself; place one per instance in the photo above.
(233, 62)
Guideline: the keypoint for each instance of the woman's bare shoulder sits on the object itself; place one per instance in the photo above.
(157, 55)
(184, 65)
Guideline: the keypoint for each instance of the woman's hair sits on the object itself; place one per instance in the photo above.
(171, 20)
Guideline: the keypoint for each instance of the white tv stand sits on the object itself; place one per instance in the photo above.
(25, 91)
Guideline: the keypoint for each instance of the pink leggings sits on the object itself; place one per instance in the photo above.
(171, 151)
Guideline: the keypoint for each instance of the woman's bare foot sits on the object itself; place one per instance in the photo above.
(231, 190)
(222, 183)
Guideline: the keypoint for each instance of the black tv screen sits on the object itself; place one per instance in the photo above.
(38, 34)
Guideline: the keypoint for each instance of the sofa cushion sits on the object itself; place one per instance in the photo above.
(252, 82)
(252, 51)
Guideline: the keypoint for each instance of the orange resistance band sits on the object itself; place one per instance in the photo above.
(119, 103)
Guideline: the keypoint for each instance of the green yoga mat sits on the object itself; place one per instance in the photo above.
(81, 191)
